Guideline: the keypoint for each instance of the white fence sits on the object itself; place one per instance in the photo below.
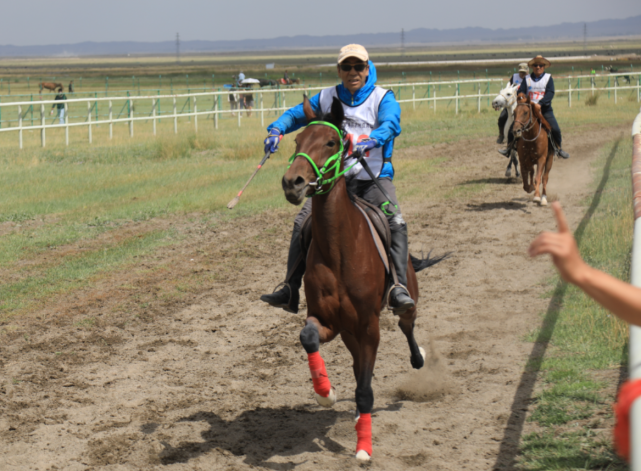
(211, 105)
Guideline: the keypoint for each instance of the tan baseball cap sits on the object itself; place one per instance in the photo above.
(353, 50)
(523, 67)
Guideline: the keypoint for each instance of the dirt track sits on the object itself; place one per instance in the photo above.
(175, 364)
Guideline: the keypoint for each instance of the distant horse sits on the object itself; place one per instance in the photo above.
(345, 282)
(50, 86)
(507, 99)
(266, 82)
(289, 81)
(532, 131)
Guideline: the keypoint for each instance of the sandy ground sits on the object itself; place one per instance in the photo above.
(176, 364)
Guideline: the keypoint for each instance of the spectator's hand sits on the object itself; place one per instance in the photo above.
(562, 246)
(271, 143)
(364, 146)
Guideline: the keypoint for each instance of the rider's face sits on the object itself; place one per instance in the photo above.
(352, 79)
(539, 69)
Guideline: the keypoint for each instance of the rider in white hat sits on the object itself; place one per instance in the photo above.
(373, 121)
(539, 86)
(516, 79)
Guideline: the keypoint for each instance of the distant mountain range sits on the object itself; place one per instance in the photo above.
(421, 36)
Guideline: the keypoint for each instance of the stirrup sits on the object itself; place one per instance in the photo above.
(389, 296)
(283, 284)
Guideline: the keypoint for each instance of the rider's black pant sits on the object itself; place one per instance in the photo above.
(556, 130)
(502, 121)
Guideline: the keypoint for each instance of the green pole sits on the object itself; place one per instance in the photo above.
(159, 112)
(213, 81)
(128, 105)
(106, 85)
(188, 104)
(187, 80)
(29, 86)
(133, 82)
(159, 82)
(31, 111)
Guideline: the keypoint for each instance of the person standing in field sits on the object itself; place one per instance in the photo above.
(248, 99)
(539, 86)
(516, 79)
(241, 77)
(373, 121)
(60, 97)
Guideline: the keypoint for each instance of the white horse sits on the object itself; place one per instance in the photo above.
(506, 99)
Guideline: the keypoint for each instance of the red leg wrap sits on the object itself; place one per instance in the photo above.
(364, 433)
(321, 382)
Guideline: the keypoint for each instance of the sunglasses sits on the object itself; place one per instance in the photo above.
(357, 67)
(538, 65)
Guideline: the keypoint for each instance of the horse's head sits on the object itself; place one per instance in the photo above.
(315, 146)
(523, 115)
(506, 97)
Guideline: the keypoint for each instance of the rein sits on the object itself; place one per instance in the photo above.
(332, 164)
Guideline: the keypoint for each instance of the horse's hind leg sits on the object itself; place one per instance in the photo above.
(546, 174)
(406, 323)
(310, 337)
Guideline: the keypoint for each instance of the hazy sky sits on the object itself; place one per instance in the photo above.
(36, 22)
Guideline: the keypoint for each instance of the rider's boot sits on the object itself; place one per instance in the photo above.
(288, 296)
(400, 300)
(504, 152)
(563, 154)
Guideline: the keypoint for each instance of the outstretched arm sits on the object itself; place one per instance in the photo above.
(618, 297)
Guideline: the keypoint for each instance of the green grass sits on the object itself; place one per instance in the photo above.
(585, 339)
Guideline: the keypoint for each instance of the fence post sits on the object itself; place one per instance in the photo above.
(615, 90)
(20, 125)
(262, 113)
(608, 88)
(434, 99)
(153, 114)
(195, 116)
(42, 123)
(215, 111)
(578, 93)
(569, 94)
(131, 115)
(479, 100)
(89, 119)
(31, 108)
(175, 117)
(413, 97)
(456, 97)
(96, 102)
(66, 125)
(111, 122)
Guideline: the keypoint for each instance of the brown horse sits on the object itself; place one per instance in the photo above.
(345, 281)
(532, 130)
(50, 86)
(289, 81)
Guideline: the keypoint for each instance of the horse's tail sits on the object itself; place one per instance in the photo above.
(423, 263)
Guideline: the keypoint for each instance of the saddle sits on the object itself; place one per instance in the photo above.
(378, 226)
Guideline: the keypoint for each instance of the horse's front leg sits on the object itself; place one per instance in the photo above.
(546, 175)
(367, 348)
(540, 165)
(310, 337)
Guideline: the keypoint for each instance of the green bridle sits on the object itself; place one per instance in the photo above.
(332, 164)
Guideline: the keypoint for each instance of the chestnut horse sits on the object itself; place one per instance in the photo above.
(50, 86)
(532, 131)
(345, 281)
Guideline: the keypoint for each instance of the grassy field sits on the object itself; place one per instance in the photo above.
(587, 343)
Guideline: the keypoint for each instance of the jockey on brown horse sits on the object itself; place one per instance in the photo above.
(372, 122)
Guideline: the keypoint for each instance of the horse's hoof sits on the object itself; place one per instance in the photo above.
(544, 201)
(328, 401)
(422, 350)
(508, 173)
(537, 199)
(362, 455)
(518, 174)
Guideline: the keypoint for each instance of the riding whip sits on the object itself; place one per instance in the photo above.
(235, 201)
(361, 159)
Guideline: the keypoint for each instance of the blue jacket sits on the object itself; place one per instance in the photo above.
(546, 101)
(389, 117)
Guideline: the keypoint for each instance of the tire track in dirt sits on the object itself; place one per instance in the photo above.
(175, 364)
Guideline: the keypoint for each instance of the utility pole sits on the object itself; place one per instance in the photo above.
(403, 41)
(177, 48)
(585, 35)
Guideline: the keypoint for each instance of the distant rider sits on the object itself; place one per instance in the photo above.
(373, 121)
(516, 79)
(539, 86)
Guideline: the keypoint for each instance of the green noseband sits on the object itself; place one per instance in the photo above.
(332, 164)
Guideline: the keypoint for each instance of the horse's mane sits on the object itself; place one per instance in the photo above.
(536, 109)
